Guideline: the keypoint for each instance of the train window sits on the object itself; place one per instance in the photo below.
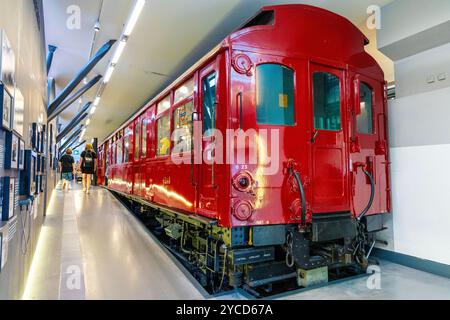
(144, 138)
(137, 137)
(163, 105)
(209, 103)
(126, 145)
(163, 134)
(183, 127)
(186, 90)
(275, 95)
(327, 101)
(119, 151)
(126, 148)
(365, 118)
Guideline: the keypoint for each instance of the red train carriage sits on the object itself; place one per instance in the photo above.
(305, 192)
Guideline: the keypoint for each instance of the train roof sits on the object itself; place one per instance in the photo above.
(307, 25)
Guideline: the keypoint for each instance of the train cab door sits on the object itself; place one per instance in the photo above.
(207, 190)
(328, 156)
(368, 146)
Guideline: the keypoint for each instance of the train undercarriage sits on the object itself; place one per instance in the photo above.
(263, 260)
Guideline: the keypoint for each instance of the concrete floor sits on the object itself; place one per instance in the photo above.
(91, 247)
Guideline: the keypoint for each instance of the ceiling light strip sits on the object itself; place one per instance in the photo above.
(128, 29)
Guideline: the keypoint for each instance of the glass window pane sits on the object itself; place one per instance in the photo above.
(163, 127)
(275, 95)
(209, 102)
(126, 145)
(144, 138)
(163, 105)
(119, 151)
(183, 127)
(365, 119)
(137, 138)
(186, 90)
(327, 101)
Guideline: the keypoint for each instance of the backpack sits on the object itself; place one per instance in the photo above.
(88, 162)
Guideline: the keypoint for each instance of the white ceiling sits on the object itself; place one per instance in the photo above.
(169, 36)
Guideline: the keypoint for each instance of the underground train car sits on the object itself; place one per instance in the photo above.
(267, 161)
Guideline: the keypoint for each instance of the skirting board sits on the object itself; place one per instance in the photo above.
(429, 266)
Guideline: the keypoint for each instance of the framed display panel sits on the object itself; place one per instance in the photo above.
(43, 162)
(42, 139)
(38, 164)
(6, 107)
(19, 112)
(21, 154)
(2, 149)
(10, 194)
(28, 175)
(12, 147)
(36, 185)
(4, 236)
(42, 183)
(34, 136)
(34, 173)
(7, 63)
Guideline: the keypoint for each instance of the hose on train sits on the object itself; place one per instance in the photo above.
(361, 238)
(302, 193)
(372, 195)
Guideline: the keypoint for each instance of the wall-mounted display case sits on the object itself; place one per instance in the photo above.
(28, 175)
(21, 154)
(10, 197)
(34, 136)
(12, 151)
(7, 80)
(19, 112)
(6, 107)
(7, 63)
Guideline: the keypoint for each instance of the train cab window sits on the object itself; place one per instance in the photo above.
(183, 127)
(209, 103)
(185, 91)
(365, 118)
(144, 138)
(163, 105)
(275, 95)
(137, 138)
(327, 101)
(163, 135)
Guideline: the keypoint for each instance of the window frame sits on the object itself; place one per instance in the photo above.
(144, 134)
(137, 140)
(294, 78)
(372, 90)
(175, 107)
(158, 117)
(202, 99)
(192, 94)
(341, 97)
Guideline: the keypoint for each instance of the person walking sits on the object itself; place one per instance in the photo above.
(67, 169)
(88, 166)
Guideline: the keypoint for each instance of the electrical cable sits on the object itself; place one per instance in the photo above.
(25, 237)
(372, 195)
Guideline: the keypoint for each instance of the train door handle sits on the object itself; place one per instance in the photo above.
(316, 133)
